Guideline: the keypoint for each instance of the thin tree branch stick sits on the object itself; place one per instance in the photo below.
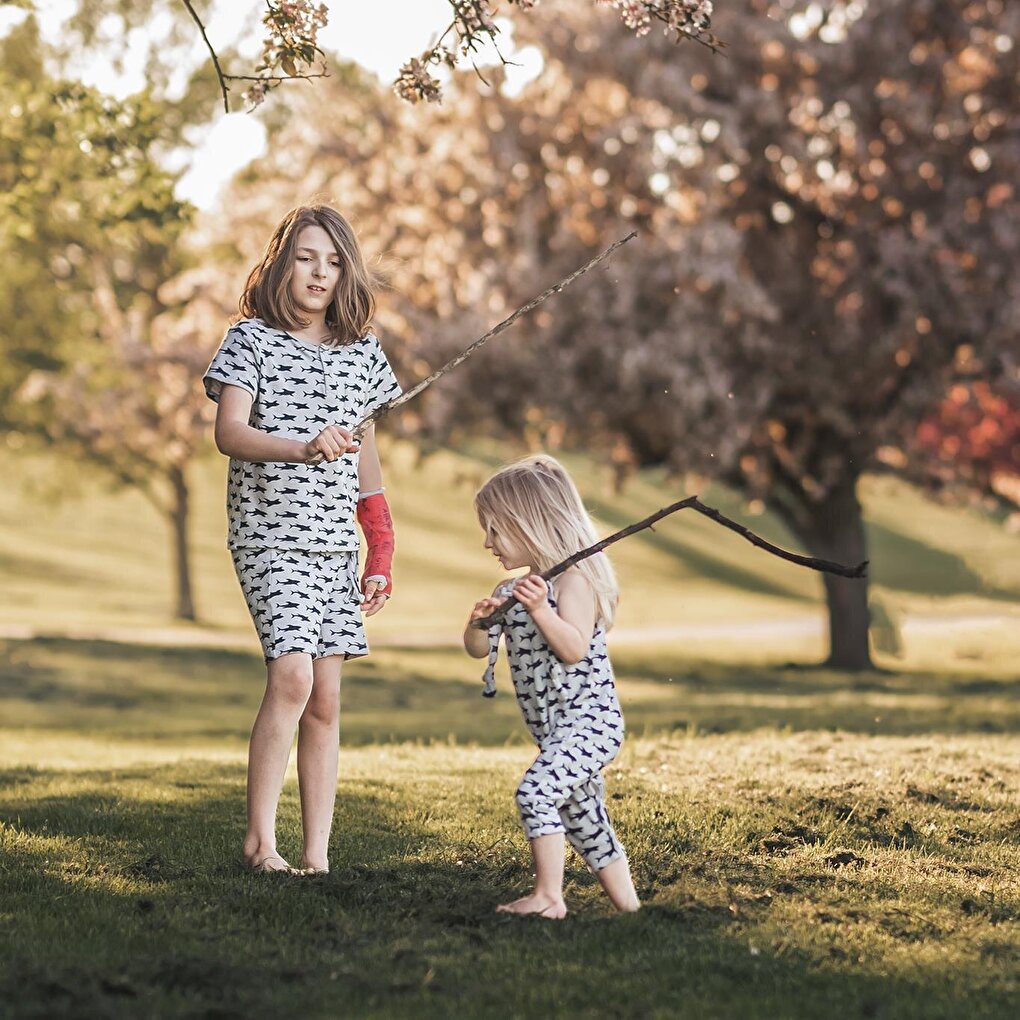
(224, 88)
(277, 77)
(692, 503)
(826, 566)
(379, 412)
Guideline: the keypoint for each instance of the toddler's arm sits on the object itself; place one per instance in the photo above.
(476, 642)
(239, 440)
(569, 629)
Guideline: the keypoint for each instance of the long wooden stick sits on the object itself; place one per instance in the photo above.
(382, 411)
(691, 503)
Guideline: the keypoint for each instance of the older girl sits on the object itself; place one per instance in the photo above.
(291, 379)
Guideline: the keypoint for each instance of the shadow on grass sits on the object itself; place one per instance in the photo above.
(17, 566)
(717, 698)
(902, 563)
(126, 903)
(153, 694)
(146, 694)
(157, 918)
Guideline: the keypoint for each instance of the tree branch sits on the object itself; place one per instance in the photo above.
(380, 412)
(224, 87)
(692, 503)
(278, 77)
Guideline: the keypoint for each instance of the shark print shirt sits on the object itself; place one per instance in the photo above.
(298, 389)
(558, 700)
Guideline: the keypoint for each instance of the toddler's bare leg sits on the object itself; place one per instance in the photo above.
(547, 897)
(615, 879)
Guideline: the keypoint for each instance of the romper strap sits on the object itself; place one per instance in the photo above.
(495, 633)
(489, 678)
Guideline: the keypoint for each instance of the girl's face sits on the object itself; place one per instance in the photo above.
(510, 554)
(316, 271)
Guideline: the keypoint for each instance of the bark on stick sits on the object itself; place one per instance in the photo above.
(689, 503)
(380, 412)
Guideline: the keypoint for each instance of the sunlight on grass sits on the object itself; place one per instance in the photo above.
(801, 838)
(111, 566)
(779, 873)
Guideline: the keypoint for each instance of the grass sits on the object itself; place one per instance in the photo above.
(788, 867)
(177, 696)
(77, 558)
(806, 843)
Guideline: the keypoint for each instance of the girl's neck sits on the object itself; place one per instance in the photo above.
(315, 332)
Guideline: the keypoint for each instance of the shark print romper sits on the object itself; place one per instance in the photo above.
(574, 716)
(291, 529)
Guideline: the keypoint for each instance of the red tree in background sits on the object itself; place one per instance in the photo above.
(973, 439)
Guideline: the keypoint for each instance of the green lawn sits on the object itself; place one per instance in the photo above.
(803, 845)
(806, 843)
(77, 558)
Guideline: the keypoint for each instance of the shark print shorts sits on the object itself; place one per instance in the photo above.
(303, 601)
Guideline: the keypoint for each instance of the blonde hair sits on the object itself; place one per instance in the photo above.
(267, 292)
(535, 504)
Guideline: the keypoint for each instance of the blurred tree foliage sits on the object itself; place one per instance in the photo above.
(79, 180)
(971, 441)
(829, 224)
(101, 342)
(290, 45)
(830, 230)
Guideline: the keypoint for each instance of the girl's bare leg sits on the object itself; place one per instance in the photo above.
(615, 879)
(317, 760)
(288, 685)
(547, 897)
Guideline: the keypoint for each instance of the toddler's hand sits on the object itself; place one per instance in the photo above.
(531, 592)
(332, 442)
(484, 607)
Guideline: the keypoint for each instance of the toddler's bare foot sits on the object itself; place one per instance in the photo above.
(542, 904)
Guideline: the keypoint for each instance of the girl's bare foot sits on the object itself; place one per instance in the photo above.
(263, 860)
(544, 905)
(268, 865)
(310, 867)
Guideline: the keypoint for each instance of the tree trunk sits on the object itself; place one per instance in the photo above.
(836, 532)
(179, 511)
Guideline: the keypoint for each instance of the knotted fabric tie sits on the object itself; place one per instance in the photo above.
(495, 633)
(489, 679)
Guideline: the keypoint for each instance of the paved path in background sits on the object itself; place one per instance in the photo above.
(722, 630)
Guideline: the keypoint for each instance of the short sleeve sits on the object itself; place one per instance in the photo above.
(235, 364)
(382, 383)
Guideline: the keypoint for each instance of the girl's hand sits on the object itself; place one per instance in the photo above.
(484, 608)
(374, 599)
(331, 443)
(532, 593)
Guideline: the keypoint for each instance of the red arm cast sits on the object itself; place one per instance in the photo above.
(377, 527)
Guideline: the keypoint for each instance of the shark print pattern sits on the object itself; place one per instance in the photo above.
(297, 389)
(573, 714)
(302, 601)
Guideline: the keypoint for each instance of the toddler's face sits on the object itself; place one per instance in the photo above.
(316, 270)
(509, 553)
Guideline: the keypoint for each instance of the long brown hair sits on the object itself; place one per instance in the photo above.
(267, 293)
(536, 505)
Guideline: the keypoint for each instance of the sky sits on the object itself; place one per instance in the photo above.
(379, 35)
